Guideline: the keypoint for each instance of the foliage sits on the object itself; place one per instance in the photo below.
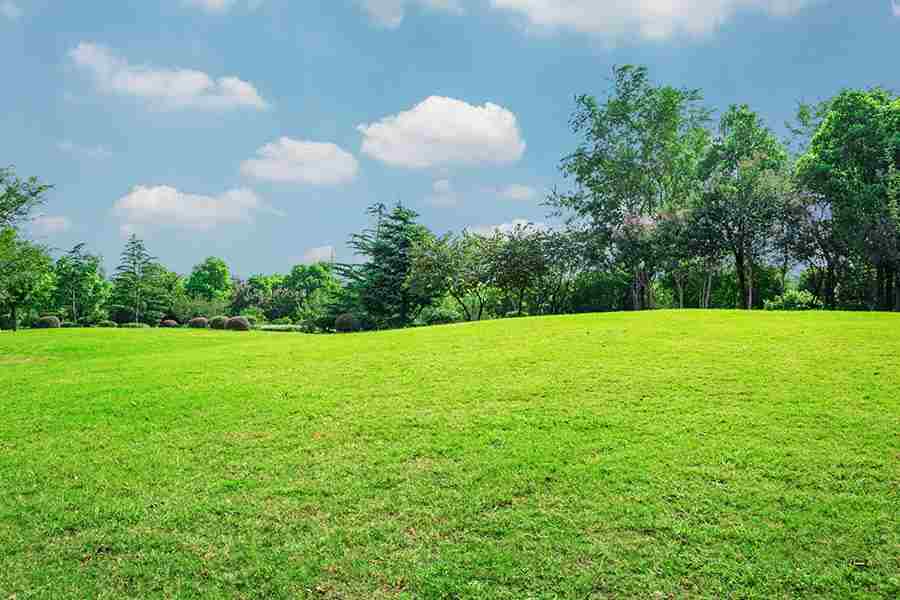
(794, 300)
(138, 293)
(48, 322)
(282, 328)
(18, 197)
(169, 324)
(81, 286)
(219, 322)
(238, 324)
(107, 324)
(199, 323)
(134, 326)
(210, 280)
(26, 275)
(346, 323)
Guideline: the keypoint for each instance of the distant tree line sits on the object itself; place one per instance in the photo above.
(666, 207)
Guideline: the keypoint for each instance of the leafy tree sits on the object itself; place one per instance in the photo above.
(81, 286)
(26, 274)
(382, 281)
(209, 280)
(308, 289)
(517, 261)
(747, 191)
(138, 293)
(18, 197)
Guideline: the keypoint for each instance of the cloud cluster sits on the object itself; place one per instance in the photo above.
(390, 13)
(50, 225)
(298, 161)
(10, 9)
(650, 19)
(443, 132)
(442, 194)
(168, 89)
(168, 207)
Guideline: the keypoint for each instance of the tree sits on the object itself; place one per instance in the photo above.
(308, 289)
(26, 274)
(81, 286)
(638, 155)
(137, 287)
(517, 261)
(381, 281)
(210, 280)
(18, 197)
(746, 192)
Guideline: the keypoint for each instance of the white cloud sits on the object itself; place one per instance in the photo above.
(442, 194)
(390, 13)
(10, 9)
(222, 6)
(518, 192)
(49, 225)
(443, 131)
(320, 254)
(508, 227)
(79, 151)
(896, 6)
(166, 88)
(652, 19)
(166, 206)
(298, 161)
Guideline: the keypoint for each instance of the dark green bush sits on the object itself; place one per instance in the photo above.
(199, 323)
(346, 323)
(169, 324)
(107, 324)
(48, 322)
(218, 322)
(238, 324)
(438, 315)
(794, 300)
(283, 321)
(134, 326)
(253, 320)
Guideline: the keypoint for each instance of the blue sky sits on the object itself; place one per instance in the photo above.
(260, 130)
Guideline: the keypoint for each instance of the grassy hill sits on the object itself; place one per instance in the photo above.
(654, 455)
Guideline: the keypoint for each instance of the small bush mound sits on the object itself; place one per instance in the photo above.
(48, 322)
(134, 326)
(218, 322)
(108, 324)
(69, 325)
(794, 300)
(253, 320)
(439, 315)
(238, 324)
(169, 324)
(199, 323)
(346, 323)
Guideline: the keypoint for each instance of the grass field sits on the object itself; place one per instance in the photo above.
(656, 455)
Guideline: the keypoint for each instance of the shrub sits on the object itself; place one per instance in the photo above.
(283, 321)
(252, 320)
(283, 328)
(238, 324)
(48, 322)
(199, 323)
(218, 322)
(134, 326)
(794, 300)
(108, 324)
(345, 323)
(69, 325)
(169, 324)
(438, 315)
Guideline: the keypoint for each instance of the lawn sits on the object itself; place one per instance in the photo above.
(655, 455)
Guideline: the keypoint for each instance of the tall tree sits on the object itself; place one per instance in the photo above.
(18, 197)
(517, 261)
(746, 192)
(26, 274)
(136, 285)
(210, 280)
(81, 286)
(636, 157)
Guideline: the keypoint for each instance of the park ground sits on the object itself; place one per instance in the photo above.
(679, 454)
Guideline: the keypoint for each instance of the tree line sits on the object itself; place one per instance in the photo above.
(665, 206)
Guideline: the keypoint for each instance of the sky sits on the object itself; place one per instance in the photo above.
(260, 130)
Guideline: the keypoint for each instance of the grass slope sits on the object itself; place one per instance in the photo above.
(670, 454)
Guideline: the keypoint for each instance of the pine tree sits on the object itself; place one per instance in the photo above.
(135, 286)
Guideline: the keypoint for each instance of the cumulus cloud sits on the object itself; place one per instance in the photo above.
(319, 254)
(222, 6)
(390, 13)
(298, 161)
(896, 6)
(168, 207)
(443, 131)
(652, 19)
(508, 227)
(169, 89)
(80, 151)
(49, 225)
(10, 9)
(518, 192)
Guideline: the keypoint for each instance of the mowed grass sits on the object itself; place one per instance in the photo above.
(656, 455)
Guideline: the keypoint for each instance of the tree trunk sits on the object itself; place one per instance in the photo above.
(740, 270)
(15, 317)
(521, 300)
(464, 307)
(749, 285)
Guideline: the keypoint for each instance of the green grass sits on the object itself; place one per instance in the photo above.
(657, 455)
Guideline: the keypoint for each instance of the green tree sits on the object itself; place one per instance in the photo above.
(209, 280)
(517, 261)
(18, 197)
(137, 294)
(81, 285)
(26, 275)
(309, 289)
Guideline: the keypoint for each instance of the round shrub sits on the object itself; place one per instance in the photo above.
(199, 323)
(238, 324)
(345, 323)
(108, 324)
(253, 320)
(794, 300)
(218, 322)
(168, 324)
(48, 322)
